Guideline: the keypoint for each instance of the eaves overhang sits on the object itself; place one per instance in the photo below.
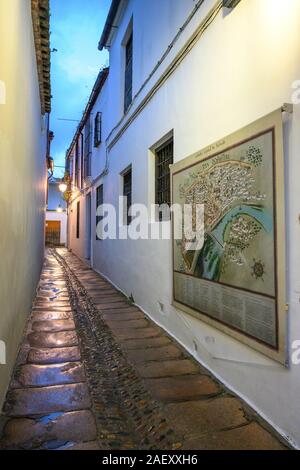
(110, 23)
(40, 11)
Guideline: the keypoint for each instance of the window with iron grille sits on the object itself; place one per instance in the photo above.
(77, 179)
(99, 202)
(87, 148)
(127, 192)
(78, 220)
(98, 130)
(81, 161)
(164, 158)
(128, 73)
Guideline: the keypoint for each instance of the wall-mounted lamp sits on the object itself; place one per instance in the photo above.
(63, 187)
(59, 209)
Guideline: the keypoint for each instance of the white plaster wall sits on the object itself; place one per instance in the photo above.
(62, 218)
(22, 178)
(241, 69)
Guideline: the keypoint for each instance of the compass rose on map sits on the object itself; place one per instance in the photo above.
(258, 269)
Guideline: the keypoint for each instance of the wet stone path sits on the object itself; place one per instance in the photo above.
(94, 373)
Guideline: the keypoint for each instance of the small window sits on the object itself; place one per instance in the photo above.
(128, 73)
(87, 148)
(99, 202)
(78, 220)
(81, 161)
(77, 179)
(127, 192)
(98, 130)
(164, 158)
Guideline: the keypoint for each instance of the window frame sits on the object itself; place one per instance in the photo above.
(78, 220)
(99, 189)
(98, 129)
(128, 195)
(87, 147)
(163, 176)
(76, 175)
(128, 71)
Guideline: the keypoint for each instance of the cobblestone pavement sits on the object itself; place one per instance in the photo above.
(116, 380)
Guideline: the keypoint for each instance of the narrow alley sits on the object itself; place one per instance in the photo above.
(115, 380)
(149, 230)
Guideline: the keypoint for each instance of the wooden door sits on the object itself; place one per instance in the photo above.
(53, 232)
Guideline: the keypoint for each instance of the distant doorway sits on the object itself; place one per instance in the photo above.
(53, 229)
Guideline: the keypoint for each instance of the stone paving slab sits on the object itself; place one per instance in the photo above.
(182, 388)
(53, 325)
(166, 368)
(145, 343)
(196, 418)
(155, 354)
(53, 305)
(94, 285)
(123, 316)
(85, 446)
(105, 298)
(38, 401)
(75, 426)
(46, 316)
(52, 280)
(32, 375)
(110, 306)
(250, 437)
(51, 290)
(54, 356)
(124, 334)
(53, 340)
(52, 296)
(119, 324)
(119, 310)
(50, 309)
(104, 292)
(99, 288)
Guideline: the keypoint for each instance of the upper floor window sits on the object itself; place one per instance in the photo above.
(98, 130)
(164, 158)
(127, 192)
(87, 148)
(81, 160)
(77, 174)
(128, 72)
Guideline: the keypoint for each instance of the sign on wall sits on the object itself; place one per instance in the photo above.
(236, 280)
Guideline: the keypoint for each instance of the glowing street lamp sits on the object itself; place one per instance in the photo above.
(63, 187)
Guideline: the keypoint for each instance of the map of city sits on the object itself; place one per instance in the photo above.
(236, 189)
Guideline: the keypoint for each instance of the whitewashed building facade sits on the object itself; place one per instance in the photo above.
(183, 75)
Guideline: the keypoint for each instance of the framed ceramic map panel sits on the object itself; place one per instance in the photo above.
(236, 280)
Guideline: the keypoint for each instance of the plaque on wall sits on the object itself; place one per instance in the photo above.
(235, 281)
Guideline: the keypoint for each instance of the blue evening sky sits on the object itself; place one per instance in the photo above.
(76, 27)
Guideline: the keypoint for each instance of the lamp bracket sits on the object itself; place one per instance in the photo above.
(287, 108)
